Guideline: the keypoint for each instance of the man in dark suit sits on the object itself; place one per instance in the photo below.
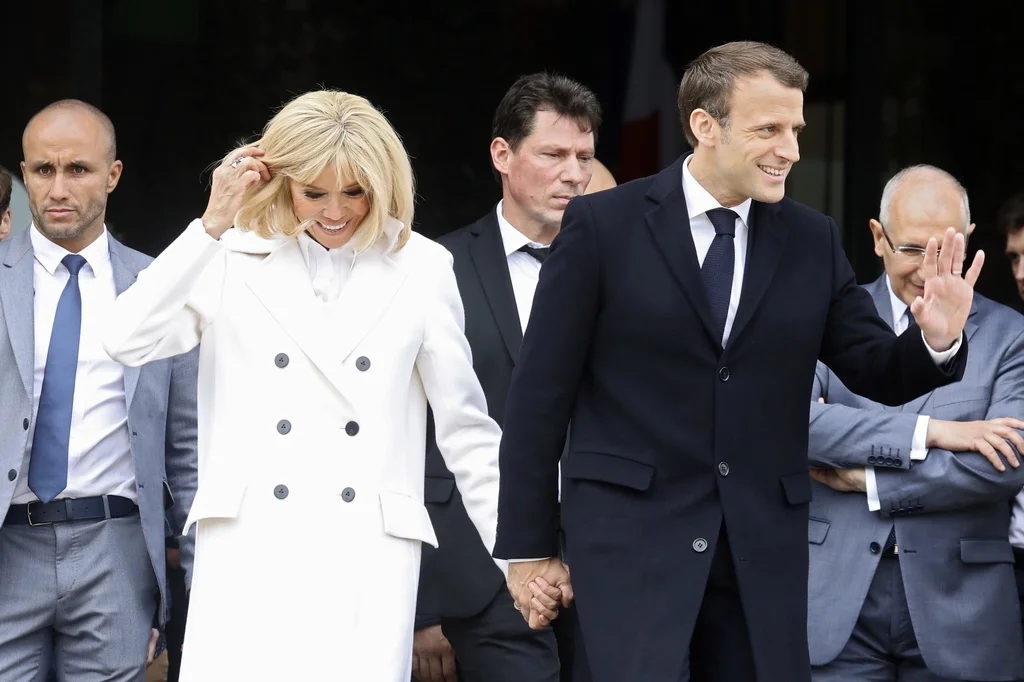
(542, 151)
(677, 325)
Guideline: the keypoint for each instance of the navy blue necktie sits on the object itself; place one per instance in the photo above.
(890, 541)
(719, 265)
(48, 466)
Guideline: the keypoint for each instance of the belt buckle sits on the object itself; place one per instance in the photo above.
(30, 521)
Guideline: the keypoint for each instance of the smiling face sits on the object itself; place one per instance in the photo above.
(334, 215)
(751, 155)
(553, 164)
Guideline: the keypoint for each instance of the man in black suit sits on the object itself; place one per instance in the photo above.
(677, 324)
(542, 151)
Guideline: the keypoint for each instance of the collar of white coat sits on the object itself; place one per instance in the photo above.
(250, 242)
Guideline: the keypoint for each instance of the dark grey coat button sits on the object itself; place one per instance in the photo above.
(24, 423)
(348, 494)
(363, 364)
(724, 374)
(11, 475)
(284, 426)
(897, 462)
(871, 459)
(699, 545)
(888, 461)
(281, 492)
(875, 548)
(351, 428)
(281, 360)
(723, 468)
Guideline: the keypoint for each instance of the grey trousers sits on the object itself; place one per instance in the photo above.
(883, 647)
(87, 589)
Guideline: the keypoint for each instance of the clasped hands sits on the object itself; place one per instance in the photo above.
(539, 588)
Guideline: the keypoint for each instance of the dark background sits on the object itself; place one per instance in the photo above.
(892, 84)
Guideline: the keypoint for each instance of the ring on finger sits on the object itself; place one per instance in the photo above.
(518, 607)
(240, 159)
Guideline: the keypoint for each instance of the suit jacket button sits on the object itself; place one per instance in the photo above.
(723, 468)
(281, 360)
(699, 545)
(351, 428)
(888, 461)
(348, 494)
(284, 426)
(871, 459)
(724, 374)
(11, 475)
(363, 364)
(281, 492)
(24, 423)
(897, 462)
(875, 548)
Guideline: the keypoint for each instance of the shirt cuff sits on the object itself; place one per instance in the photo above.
(520, 561)
(946, 355)
(919, 447)
(872, 489)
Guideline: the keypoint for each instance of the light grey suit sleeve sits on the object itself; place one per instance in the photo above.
(954, 480)
(845, 437)
(181, 459)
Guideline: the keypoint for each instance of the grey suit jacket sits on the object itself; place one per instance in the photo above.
(161, 399)
(951, 510)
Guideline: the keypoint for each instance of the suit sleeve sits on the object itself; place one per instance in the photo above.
(866, 355)
(466, 436)
(845, 437)
(173, 300)
(181, 459)
(948, 481)
(544, 386)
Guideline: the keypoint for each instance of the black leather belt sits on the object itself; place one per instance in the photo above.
(81, 509)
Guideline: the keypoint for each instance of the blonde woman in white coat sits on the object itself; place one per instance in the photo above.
(326, 326)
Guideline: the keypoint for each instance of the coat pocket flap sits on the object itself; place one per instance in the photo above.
(817, 529)
(438, 489)
(597, 466)
(215, 501)
(956, 395)
(406, 517)
(797, 487)
(992, 551)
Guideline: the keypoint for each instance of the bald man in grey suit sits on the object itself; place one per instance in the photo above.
(911, 569)
(91, 453)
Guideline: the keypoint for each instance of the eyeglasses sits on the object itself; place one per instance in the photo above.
(915, 254)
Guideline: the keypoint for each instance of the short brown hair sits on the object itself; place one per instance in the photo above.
(5, 190)
(709, 79)
(1011, 215)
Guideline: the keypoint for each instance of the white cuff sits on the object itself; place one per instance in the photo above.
(919, 448)
(946, 355)
(520, 561)
(872, 489)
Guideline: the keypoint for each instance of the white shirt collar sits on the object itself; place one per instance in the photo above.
(50, 254)
(899, 308)
(512, 238)
(699, 200)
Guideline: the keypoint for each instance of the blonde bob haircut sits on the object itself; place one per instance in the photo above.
(314, 131)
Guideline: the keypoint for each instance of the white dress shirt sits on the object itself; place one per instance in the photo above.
(698, 202)
(329, 269)
(523, 268)
(99, 453)
(918, 446)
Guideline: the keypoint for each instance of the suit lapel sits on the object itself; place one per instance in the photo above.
(670, 227)
(488, 254)
(124, 276)
(281, 283)
(17, 293)
(767, 237)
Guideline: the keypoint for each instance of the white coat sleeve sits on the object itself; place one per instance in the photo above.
(466, 436)
(164, 313)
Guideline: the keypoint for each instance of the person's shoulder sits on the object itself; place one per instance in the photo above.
(613, 200)
(423, 252)
(996, 317)
(799, 213)
(133, 258)
(462, 235)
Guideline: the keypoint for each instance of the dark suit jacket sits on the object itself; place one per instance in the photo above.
(459, 578)
(670, 433)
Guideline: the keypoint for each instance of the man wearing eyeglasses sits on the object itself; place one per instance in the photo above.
(911, 571)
